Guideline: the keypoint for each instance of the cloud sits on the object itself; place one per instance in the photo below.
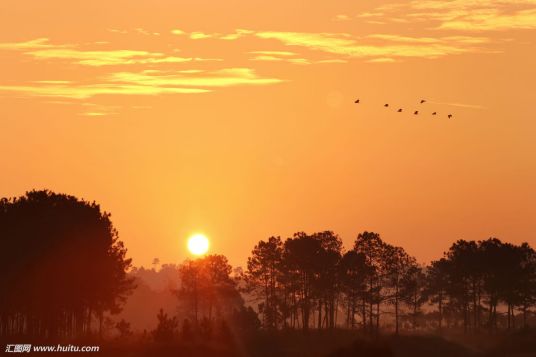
(289, 57)
(463, 15)
(148, 82)
(95, 114)
(460, 105)
(404, 39)
(205, 79)
(197, 35)
(32, 44)
(239, 33)
(460, 40)
(341, 17)
(334, 60)
(268, 58)
(382, 60)
(345, 45)
(201, 35)
(274, 53)
(106, 57)
(42, 49)
(493, 20)
(79, 91)
(118, 31)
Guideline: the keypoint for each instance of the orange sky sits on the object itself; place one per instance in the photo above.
(236, 118)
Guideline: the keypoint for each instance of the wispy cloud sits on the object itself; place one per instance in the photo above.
(80, 91)
(289, 57)
(393, 46)
(148, 82)
(98, 110)
(268, 58)
(199, 35)
(118, 31)
(32, 44)
(274, 53)
(42, 49)
(205, 79)
(460, 105)
(107, 58)
(341, 17)
(382, 60)
(493, 20)
(462, 15)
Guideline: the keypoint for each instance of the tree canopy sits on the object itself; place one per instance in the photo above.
(62, 265)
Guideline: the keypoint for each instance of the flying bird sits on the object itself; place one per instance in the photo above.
(450, 116)
(399, 110)
(386, 105)
(434, 113)
(357, 101)
(423, 101)
(416, 112)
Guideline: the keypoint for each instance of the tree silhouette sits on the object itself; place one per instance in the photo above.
(166, 330)
(308, 278)
(262, 278)
(207, 289)
(353, 273)
(436, 287)
(124, 329)
(373, 248)
(398, 266)
(62, 265)
(413, 290)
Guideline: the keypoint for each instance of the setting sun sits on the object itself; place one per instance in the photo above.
(198, 244)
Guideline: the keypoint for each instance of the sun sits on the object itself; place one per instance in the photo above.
(198, 244)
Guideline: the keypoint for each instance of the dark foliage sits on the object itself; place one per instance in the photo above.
(62, 266)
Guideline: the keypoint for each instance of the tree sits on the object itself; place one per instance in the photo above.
(326, 285)
(299, 256)
(527, 280)
(166, 329)
(436, 286)
(413, 290)
(124, 329)
(310, 272)
(397, 266)
(373, 249)
(353, 272)
(62, 265)
(465, 278)
(206, 287)
(263, 277)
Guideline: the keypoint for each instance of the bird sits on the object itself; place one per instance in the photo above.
(386, 105)
(434, 113)
(450, 116)
(357, 101)
(399, 110)
(423, 101)
(416, 112)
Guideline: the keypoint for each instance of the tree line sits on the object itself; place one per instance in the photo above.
(63, 270)
(309, 281)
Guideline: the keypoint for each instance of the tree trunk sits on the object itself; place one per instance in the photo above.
(440, 307)
(396, 313)
(319, 314)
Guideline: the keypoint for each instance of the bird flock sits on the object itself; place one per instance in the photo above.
(416, 112)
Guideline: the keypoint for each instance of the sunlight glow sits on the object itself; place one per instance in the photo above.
(198, 244)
